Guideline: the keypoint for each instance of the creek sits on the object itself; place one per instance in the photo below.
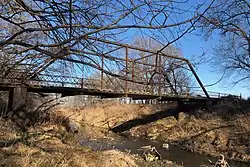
(133, 145)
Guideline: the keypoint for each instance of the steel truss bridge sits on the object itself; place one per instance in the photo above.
(120, 70)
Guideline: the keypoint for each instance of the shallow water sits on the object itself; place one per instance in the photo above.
(174, 153)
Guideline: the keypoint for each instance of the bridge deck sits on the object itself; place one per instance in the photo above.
(70, 86)
(71, 91)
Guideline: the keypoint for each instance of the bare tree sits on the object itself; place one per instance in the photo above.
(58, 36)
(170, 74)
(230, 20)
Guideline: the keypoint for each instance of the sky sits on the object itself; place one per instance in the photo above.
(193, 44)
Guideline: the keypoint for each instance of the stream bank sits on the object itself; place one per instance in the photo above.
(211, 132)
(219, 130)
(174, 155)
(50, 144)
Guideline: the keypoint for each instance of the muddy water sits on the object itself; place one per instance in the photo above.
(174, 153)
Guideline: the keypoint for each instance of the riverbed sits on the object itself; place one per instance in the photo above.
(133, 145)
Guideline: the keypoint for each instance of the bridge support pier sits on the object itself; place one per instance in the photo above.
(209, 104)
(17, 98)
(64, 94)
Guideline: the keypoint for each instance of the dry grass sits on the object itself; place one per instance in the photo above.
(225, 128)
(97, 120)
(50, 141)
(51, 145)
(22, 155)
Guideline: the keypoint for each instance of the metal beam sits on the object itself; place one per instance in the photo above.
(134, 47)
(197, 78)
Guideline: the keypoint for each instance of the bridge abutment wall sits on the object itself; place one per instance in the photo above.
(17, 98)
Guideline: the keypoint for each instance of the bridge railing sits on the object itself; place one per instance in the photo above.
(88, 83)
(46, 80)
(212, 94)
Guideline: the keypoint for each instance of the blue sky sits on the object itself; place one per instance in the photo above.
(192, 45)
(195, 45)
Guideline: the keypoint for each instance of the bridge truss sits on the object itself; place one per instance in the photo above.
(109, 68)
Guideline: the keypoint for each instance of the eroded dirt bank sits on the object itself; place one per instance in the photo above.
(222, 129)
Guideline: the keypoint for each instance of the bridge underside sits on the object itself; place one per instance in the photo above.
(18, 94)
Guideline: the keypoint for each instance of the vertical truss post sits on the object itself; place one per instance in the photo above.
(126, 82)
(82, 80)
(102, 72)
(159, 76)
(156, 61)
(133, 70)
(156, 70)
(10, 101)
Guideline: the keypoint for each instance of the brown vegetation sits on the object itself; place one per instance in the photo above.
(224, 128)
(52, 145)
(52, 141)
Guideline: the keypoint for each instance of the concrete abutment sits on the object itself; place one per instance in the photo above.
(17, 98)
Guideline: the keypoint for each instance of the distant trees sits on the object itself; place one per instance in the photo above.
(230, 19)
(169, 75)
(146, 72)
